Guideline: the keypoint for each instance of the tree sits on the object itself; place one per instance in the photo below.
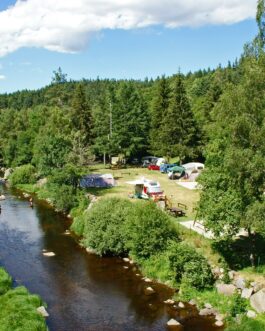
(260, 18)
(158, 111)
(59, 77)
(179, 132)
(233, 185)
(129, 122)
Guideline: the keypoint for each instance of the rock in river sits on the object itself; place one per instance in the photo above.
(41, 310)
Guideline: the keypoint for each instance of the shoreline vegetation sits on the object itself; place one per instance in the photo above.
(164, 251)
(20, 310)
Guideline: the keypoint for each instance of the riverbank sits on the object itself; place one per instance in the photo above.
(156, 266)
(20, 310)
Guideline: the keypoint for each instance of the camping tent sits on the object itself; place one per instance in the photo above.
(97, 180)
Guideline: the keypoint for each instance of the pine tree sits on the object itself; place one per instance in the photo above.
(130, 124)
(159, 109)
(81, 123)
(81, 114)
(179, 131)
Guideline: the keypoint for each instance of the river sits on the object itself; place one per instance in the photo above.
(83, 292)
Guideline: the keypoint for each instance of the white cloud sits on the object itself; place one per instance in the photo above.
(67, 25)
(2, 77)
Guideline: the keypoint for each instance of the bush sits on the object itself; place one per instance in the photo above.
(69, 175)
(5, 281)
(190, 267)
(198, 274)
(25, 174)
(78, 225)
(18, 311)
(239, 305)
(105, 226)
(150, 230)
(247, 324)
(62, 197)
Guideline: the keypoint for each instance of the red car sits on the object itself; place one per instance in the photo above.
(153, 167)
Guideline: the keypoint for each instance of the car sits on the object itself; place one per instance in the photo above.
(164, 167)
(153, 167)
(147, 160)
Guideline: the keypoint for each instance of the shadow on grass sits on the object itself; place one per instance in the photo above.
(100, 192)
(237, 253)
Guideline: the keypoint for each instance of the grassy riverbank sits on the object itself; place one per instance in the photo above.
(18, 307)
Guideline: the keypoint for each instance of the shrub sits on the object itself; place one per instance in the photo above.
(18, 311)
(190, 266)
(69, 175)
(78, 225)
(63, 197)
(247, 324)
(150, 230)
(25, 174)
(198, 274)
(239, 305)
(5, 281)
(105, 226)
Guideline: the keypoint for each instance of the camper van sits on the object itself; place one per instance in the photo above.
(145, 188)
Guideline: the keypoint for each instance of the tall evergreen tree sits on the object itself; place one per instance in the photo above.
(158, 111)
(130, 122)
(179, 132)
(82, 128)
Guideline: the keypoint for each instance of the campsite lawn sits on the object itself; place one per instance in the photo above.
(174, 192)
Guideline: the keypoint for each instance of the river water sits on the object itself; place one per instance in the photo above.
(83, 292)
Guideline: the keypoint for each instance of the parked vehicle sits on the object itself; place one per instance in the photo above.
(146, 189)
(193, 168)
(153, 167)
(147, 160)
(176, 172)
(164, 167)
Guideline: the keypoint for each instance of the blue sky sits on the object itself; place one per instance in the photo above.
(119, 51)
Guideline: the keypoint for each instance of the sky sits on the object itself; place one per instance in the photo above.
(118, 38)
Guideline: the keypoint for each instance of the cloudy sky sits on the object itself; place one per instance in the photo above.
(118, 38)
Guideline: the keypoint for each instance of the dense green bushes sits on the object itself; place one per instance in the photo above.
(106, 227)
(25, 174)
(118, 227)
(190, 267)
(18, 308)
(150, 229)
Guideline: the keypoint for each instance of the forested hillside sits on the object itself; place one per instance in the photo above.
(77, 121)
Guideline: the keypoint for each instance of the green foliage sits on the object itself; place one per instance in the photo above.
(179, 131)
(233, 185)
(63, 197)
(198, 273)
(59, 77)
(105, 226)
(78, 225)
(5, 281)
(247, 324)
(69, 175)
(158, 111)
(18, 311)
(18, 307)
(238, 306)
(150, 230)
(157, 267)
(25, 174)
(190, 267)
